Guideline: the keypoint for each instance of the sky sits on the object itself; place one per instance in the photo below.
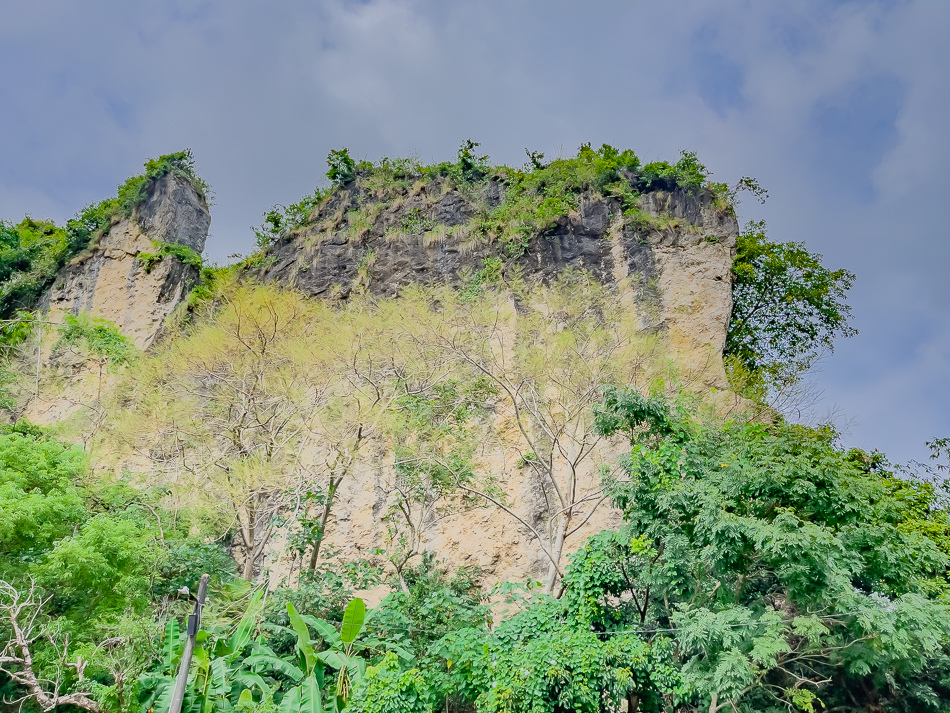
(839, 109)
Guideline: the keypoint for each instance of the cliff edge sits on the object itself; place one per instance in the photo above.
(124, 277)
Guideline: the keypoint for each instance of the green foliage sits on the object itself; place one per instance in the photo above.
(388, 688)
(280, 220)
(224, 675)
(776, 560)
(91, 222)
(535, 199)
(15, 330)
(187, 560)
(787, 307)
(40, 502)
(626, 409)
(543, 659)
(341, 168)
(535, 160)
(185, 254)
(211, 280)
(134, 191)
(415, 222)
(33, 251)
(471, 166)
(687, 173)
(488, 274)
(97, 552)
(434, 604)
(99, 337)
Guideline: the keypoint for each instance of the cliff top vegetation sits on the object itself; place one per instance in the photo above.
(525, 200)
(32, 251)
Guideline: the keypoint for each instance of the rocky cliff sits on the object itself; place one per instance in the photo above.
(127, 276)
(114, 281)
(674, 261)
(667, 258)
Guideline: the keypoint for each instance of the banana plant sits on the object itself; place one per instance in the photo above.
(159, 685)
(351, 667)
(220, 678)
(306, 697)
(340, 653)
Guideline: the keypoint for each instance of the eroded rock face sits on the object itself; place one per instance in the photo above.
(174, 212)
(676, 269)
(673, 267)
(111, 282)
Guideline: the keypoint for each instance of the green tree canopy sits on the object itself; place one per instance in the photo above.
(787, 307)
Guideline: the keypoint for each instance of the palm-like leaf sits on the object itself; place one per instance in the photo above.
(310, 699)
(353, 619)
(274, 663)
(242, 635)
(303, 637)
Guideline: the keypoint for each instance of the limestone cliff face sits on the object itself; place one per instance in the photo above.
(111, 282)
(672, 266)
(676, 267)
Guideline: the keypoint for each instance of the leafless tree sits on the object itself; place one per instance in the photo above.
(22, 611)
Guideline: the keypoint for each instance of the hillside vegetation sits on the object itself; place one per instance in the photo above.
(686, 559)
(32, 251)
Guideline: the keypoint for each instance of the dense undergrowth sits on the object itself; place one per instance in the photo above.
(759, 568)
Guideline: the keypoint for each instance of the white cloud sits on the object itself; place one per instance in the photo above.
(261, 92)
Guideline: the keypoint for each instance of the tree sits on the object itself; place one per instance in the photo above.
(788, 308)
(81, 562)
(434, 429)
(25, 623)
(547, 353)
(789, 572)
(222, 411)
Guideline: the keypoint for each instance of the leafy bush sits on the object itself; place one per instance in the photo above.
(341, 168)
(281, 219)
(184, 253)
(31, 252)
(99, 336)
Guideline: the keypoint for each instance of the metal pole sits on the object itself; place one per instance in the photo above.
(194, 623)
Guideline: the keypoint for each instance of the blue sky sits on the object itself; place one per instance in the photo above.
(839, 108)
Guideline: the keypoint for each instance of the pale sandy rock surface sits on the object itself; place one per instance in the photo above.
(676, 276)
(109, 281)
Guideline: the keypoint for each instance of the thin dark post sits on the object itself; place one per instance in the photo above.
(194, 623)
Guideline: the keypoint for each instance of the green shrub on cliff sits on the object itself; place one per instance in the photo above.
(33, 251)
(134, 190)
(532, 198)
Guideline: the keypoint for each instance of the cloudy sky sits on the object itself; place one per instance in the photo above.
(840, 109)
